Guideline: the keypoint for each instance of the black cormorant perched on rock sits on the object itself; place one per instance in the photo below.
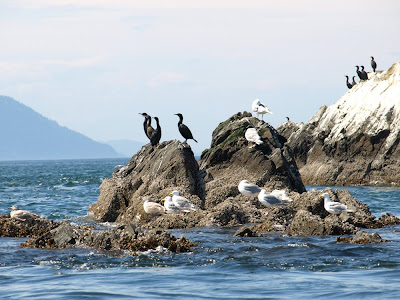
(148, 130)
(354, 81)
(349, 85)
(360, 75)
(373, 63)
(184, 130)
(155, 138)
(364, 74)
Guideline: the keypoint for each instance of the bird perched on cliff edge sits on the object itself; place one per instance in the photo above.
(359, 74)
(260, 108)
(364, 74)
(22, 215)
(354, 81)
(156, 136)
(184, 130)
(349, 85)
(248, 189)
(148, 130)
(373, 63)
(334, 207)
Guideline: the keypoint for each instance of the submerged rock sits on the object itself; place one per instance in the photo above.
(362, 237)
(354, 141)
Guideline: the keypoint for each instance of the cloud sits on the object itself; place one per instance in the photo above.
(123, 4)
(165, 78)
(75, 63)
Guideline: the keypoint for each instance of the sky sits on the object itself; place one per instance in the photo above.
(94, 65)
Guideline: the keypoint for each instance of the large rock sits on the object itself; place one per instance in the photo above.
(230, 160)
(153, 171)
(355, 140)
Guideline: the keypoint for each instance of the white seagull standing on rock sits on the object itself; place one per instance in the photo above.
(334, 207)
(181, 202)
(152, 208)
(252, 135)
(22, 215)
(269, 199)
(170, 206)
(248, 189)
(260, 108)
(281, 194)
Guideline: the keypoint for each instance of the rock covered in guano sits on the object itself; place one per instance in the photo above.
(355, 140)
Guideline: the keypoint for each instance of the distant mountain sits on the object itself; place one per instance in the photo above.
(25, 134)
(126, 148)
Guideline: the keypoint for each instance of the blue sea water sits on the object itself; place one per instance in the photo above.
(220, 267)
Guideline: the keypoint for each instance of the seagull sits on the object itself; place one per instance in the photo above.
(334, 207)
(260, 108)
(281, 194)
(182, 203)
(252, 135)
(184, 130)
(248, 189)
(22, 215)
(269, 199)
(169, 205)
(152, 208)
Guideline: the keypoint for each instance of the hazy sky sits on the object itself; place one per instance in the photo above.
(94, 65)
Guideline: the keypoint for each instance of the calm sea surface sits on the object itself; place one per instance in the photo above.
(222, 266)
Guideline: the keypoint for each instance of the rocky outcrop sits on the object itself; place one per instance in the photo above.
(354, 141)
(230, 160)
(49, 234)
(153, 171)
(157, 171)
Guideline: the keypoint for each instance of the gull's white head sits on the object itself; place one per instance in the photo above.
(326, 197)
(14, 207)
(175, 193)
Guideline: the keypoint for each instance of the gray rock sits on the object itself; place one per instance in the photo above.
(153, 171)
(362, 237)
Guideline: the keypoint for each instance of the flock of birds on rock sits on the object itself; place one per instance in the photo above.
(361, 74)
(173, 203)
(279, 198)
(154, 135)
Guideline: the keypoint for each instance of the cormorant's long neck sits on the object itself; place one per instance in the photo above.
(148, 118)
(180, 120)
(158, 124)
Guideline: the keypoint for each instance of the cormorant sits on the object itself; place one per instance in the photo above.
(354, 81)
(148, 130)
(349, 85)
(156, 136)
(360, 75)
(184, 130)
(288, 119)
(373, 63)
(364, 74)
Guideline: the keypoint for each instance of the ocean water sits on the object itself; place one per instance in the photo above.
(221, 267)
